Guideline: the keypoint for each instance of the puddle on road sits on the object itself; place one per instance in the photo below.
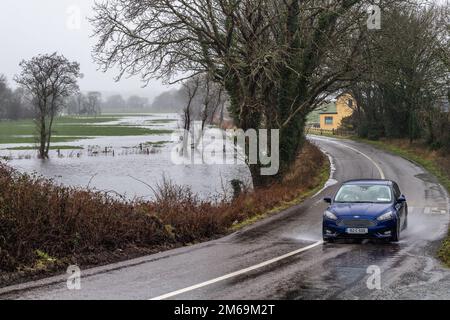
(426, 177)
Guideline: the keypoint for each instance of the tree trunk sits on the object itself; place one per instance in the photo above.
(261, 181)
(42, 135)
(42, 139)
(49, 136)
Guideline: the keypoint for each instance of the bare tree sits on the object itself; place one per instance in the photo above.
(408, 78)
(212, 96)
(277, 59)
(218, 101)
(115, 102)
(93, 103)
(5, 96)
(136, 102)
(189, 89)
(81, 102)
(48, 80)
(189, 92)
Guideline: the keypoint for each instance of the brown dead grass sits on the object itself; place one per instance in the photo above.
(45, 227)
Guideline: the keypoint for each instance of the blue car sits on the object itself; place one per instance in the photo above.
(366, 209)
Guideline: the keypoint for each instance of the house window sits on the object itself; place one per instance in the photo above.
(329, 120)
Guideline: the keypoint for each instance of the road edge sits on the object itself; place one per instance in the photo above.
(326, 174)
(443, 254)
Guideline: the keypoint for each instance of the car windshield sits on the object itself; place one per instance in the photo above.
(360, 193)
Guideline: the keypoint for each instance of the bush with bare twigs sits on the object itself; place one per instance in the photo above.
(45, 227)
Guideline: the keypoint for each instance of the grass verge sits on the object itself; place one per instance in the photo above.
(45, 227)
(68, 129)
(31, 140)
(319, 181)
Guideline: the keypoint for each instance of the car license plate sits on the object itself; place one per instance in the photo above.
(357, 230)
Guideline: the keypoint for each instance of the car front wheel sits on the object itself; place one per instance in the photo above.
(405, 225)
(396, 234)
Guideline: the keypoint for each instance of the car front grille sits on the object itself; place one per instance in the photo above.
(357, 223)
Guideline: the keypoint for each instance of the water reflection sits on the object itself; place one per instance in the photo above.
(127, 165)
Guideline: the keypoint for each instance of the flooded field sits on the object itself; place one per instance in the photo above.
(127, 165)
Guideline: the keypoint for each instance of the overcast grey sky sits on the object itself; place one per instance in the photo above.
(31, 27)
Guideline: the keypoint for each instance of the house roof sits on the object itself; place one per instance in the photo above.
(326, 108)
(329, 108)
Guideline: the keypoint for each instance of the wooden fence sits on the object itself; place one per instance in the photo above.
(327, 132)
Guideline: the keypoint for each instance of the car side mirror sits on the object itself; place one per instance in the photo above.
(327, 200)
(401, 199)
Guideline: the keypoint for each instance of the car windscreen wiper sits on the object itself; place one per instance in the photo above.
(356, 202)
(364, 202)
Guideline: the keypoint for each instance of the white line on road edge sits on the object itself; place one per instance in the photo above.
(331, 181)
(268, 262)
(237, 273)
(357, 151)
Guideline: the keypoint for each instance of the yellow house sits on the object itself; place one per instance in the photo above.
(332, 117)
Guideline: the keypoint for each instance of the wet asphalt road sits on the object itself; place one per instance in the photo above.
(282, 258)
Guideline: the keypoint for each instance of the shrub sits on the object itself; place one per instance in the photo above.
(44, 224)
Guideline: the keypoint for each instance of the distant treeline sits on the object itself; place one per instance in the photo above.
(93, 103)
(169, 101)
(197, 99)
(13, 104)
(118, 102)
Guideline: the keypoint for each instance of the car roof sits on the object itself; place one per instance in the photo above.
(370, 182)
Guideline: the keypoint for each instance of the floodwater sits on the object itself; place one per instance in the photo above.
(128, 165)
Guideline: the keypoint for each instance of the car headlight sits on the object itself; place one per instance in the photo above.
(386, 216)
(330, 215)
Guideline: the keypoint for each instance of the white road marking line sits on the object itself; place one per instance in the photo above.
(237, 273)
(268, 262)
(331, 181)
(357, 151)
